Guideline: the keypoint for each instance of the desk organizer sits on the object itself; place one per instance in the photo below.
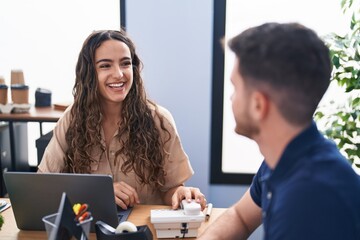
(50, 225)
(106, 232)
(62, 225)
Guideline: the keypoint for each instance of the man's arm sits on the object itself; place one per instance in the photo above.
(238, 222)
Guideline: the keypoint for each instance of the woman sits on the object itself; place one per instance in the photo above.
(112, 128)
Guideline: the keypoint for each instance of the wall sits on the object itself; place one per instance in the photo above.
(174, 41)
(43, 38)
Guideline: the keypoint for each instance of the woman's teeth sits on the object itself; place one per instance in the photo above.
(116, 85)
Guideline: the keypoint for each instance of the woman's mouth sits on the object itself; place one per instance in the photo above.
(116, 85)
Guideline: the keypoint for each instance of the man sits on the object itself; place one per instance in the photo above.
(304, 189)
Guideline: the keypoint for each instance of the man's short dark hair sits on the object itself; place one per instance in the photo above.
(289, 62)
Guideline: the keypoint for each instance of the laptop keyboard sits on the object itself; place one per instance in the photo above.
(123, 214)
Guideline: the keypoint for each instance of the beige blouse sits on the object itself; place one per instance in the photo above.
(177, 165)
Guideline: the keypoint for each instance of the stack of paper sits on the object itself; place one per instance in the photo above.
(4, 205)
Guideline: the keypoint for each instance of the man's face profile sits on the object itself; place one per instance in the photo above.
(241, 102)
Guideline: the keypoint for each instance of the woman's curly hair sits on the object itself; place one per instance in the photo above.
(142, 146)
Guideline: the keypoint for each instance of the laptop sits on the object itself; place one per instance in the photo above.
(36, 195)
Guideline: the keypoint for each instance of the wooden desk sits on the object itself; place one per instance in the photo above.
(40, 115)
(35, 114)
(140, 215)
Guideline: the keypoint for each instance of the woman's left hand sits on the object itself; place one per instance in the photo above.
(187, 193)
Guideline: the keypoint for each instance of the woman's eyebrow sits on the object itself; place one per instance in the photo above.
(109, 60)
(103, 60)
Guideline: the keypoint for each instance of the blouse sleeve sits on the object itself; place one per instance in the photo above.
(177, 165)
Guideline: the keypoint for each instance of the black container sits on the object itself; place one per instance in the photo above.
(42, 97)
(103, 233)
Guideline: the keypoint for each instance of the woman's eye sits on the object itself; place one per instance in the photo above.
(127, 63)
(104, 66)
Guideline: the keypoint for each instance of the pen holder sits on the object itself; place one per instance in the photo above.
(62, 225)
(106, 232)
(50, 225)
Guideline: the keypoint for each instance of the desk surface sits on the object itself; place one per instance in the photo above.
(140, 215)
(35, 114)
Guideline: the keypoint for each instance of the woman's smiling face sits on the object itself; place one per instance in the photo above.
(114, 70)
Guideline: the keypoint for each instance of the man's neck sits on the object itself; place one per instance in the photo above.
(274, 138)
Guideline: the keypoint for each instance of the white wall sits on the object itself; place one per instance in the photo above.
(173, 39)
(43, 38)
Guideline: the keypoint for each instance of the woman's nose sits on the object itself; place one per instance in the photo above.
(118, 73)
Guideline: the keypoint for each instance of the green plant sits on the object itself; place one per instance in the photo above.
(342, 121)
(1, 221)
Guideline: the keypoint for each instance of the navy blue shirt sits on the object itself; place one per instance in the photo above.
(313, 193)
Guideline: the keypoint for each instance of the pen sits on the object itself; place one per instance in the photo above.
(208, 211)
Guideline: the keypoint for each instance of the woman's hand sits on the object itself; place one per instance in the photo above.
(188, 193)
(125, 195)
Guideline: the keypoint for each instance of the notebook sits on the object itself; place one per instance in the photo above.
(36, 195)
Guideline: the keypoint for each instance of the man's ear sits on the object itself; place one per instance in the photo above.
(259, 105)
